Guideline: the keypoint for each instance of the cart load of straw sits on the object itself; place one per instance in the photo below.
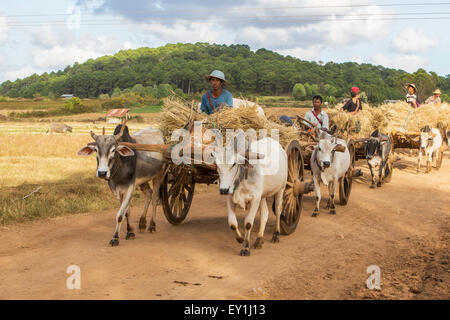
(178, 113)
(391, 117)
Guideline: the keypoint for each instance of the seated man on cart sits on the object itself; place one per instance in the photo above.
(216, 98)
(317, 116)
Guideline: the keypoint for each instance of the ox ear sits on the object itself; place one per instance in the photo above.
(339, 148)
(87, 150)
(416, 139)
(125, 151)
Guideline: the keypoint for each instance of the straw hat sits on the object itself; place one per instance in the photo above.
(217, 74)
(437, 91)
(411, 85)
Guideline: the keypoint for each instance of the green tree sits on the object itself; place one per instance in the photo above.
(164, 90)
(299, 92)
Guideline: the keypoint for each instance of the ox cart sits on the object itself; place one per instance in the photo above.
(178, 184)
(309, 138)
(411, 140)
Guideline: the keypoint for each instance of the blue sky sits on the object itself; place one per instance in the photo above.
(37, 37)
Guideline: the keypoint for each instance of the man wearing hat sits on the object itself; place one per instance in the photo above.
(353, 106)
(435, 98)
(216, 98)
(411, 97)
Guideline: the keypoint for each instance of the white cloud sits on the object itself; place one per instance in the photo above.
(357, 59)
(3, 28)
(407, 62)
(21, 73)
(413, 40)
(2, 59)
(188, 32)
(345, 31)
(44, 36)
(54, 55)
(307, 31)
(308, 53)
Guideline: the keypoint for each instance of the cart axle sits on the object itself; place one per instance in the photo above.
(301, 187)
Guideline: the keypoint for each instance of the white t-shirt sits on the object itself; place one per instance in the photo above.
(322, 117)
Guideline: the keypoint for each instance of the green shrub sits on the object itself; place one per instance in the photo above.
(332, 101)
(363, 97)
(131, 100)
(299, 92)
(164, 90)
(116, 93)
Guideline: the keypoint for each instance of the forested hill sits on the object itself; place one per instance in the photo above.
(249, 72)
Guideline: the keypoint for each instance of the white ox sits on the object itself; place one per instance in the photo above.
(330, 161)
(430, 142)
(246, 180)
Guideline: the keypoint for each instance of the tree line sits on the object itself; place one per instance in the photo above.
(183, 67)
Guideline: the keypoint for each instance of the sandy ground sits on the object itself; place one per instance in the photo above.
(402, 227)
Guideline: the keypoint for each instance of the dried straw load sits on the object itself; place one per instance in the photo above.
(395, 116)
(177, 114)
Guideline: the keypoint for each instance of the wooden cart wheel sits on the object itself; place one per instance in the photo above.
(177, 191)
(292, 199)
(345, 183)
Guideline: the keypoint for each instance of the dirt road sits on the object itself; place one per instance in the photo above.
(402, 227)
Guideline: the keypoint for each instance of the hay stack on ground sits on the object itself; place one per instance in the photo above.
(177, 113)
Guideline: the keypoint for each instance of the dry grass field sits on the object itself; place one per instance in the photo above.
(64, 183)
(48, 164)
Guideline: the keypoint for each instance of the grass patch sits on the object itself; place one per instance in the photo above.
(54, 199)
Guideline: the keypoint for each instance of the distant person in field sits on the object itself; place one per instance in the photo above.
(435, 98)
(353, 106)
(411, 97)
(216, 98)
(316, 115)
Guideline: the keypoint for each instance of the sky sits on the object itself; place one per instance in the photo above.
(48, 35)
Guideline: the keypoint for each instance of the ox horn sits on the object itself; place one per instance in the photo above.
(253, 155)
(94, 136)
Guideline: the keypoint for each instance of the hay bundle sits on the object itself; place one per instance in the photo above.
(368, 120)
(177, 113)
(393, 116)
